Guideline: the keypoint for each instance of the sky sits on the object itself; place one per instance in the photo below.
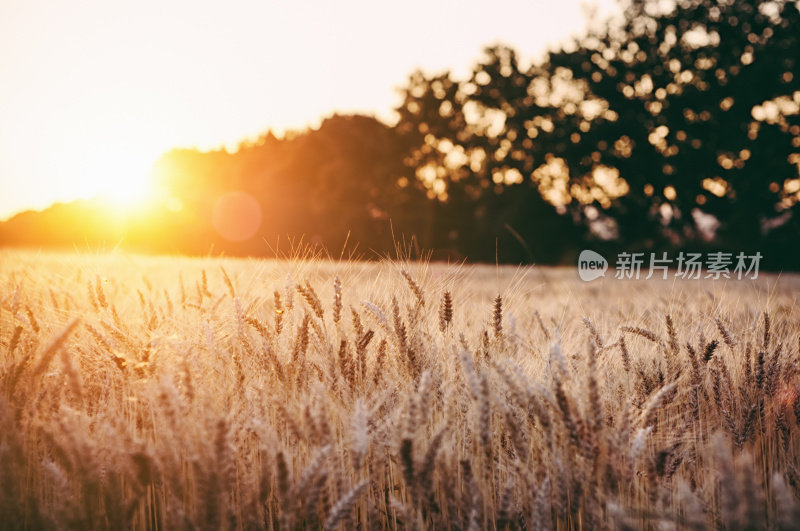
(93, 92)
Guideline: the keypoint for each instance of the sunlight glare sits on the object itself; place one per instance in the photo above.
(119, 177)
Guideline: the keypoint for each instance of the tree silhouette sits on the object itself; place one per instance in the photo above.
(650, 132)
(344, 182)
(462, 155)
(704, 102)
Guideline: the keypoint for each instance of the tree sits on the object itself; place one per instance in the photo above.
(462, 155)
(704, 106)
(344, 182)
(648, 132)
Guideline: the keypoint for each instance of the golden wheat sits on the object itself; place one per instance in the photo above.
(139, 404)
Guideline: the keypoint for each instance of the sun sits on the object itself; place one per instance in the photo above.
(117, 176)
(130, 191)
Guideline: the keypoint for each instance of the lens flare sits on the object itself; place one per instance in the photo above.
(236, 216)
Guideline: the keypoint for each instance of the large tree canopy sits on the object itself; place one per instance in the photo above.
(676, 125)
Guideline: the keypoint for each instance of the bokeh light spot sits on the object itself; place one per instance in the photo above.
(236, 216)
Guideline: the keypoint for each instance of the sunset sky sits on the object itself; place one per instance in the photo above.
(92, 92)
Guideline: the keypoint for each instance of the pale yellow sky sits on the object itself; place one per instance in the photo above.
(92, 92)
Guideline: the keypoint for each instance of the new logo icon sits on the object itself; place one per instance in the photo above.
(591, 265)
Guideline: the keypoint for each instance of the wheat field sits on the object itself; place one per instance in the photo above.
(213, 393)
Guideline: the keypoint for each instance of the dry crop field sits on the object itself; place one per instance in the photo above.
(177, 393)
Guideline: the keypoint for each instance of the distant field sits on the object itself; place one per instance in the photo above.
(178, 393)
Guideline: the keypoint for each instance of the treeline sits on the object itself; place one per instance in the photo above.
(336, 187)
(678, 128)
